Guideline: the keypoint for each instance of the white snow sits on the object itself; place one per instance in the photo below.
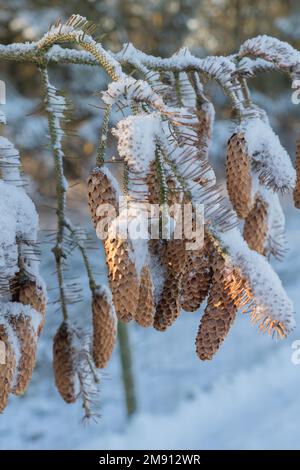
(271, 159)
(272, 49)
(131, 89)
(265, 284)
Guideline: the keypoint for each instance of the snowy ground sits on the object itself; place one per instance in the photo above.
(246, 398)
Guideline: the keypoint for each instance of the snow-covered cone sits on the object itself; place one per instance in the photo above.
(101, 191)
(104, 327)
(238, 172)
(168, 307)
(21, 325)
(64, 363)
(256, 226)
(270, 161)
(297, 186)
(196, 280)
(144, 315)
(123, 278)
(7, 370)
(226, 295)
(31, 293)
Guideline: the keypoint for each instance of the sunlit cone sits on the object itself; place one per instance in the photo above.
(144, 315)
(30, 293)
(100, 191)
(27, 338)
(7, 370)
(297, 186)
(168, 307)
(256, 226)
(123, 277)
(227, 295)
(238, 172)
(196, 280)
(104, 329)
(64, 363)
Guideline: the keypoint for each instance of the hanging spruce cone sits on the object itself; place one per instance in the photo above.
(227, 295)
(153, 184)
(65, 363)
(101, 191)
(144, 315)
(174, 255)
(168, 308)
(123, 277)
(256, 226)
(238, 171)
(7, 370)
(27, 338)
(30, 293)
(297, 187)
(196, 280)
(104, 327)
(205, 115)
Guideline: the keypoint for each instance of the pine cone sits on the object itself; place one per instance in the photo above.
(123, 277)
(64, 363)
(238, 171)
(104, 328)
(27, 338)
(100, 191)
(153, 184)
(30, 293)
(144, 315)
(168, 308)
(227, 295)
(256, 226)
(205, 116)
(7, 370)
(196, 280)
(297, 187)
(174, 256)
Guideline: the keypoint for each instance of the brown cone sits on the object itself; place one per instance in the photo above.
(64, 363)
(196, 280)
(104, 329)
(28, 342)
(123, 277)
(204, 128)
(144, 315)
(297, 187)
(226, 295)
(30, 293)
(174, 255)
(238, 172)
(7, 370)
(100, 191)
(168, 308)
(153, 184)
(256, 226)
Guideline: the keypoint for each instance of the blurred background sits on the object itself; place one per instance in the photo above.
(247, 397)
